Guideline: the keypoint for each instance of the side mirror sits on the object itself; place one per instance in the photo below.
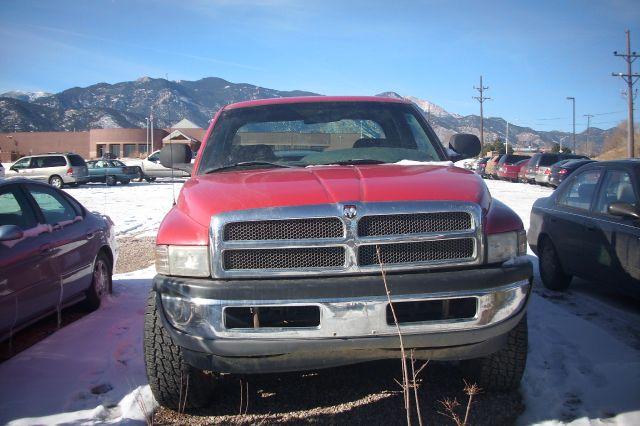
(176, 156)
(14, 169)
(10, 233)
(624, 210)
(465, 145)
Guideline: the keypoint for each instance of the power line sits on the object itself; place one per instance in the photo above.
(481, 99)
(630, 78)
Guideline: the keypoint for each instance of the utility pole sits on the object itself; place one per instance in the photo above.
(506, 141)
(630, 78)
(146, 128)
(481, 99)
(588, 148)
(573, 101)
(151, 134)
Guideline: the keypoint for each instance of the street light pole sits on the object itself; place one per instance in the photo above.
(573, 102)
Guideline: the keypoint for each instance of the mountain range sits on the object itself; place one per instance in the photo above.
(126, 105)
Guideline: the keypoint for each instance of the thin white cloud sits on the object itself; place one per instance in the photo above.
(141, 46)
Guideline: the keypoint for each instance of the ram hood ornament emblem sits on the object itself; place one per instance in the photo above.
(349, 211)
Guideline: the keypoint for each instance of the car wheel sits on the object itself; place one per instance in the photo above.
(110, 180)
(100, 282)
(150, 179)
(174, 383)
(56, 181)
(139, 175)
(502, 370)
(551, 272)
(125, 181)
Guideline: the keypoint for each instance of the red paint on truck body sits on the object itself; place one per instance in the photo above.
(203, 196)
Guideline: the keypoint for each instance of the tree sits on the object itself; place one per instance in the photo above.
(556, 148)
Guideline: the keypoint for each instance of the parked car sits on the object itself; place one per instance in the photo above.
(590, 227)
(563, 169)
(272, 265)
(110, 172)
(509, 166)
(541, 162)
(150, 168)
(57, 169)
(523, 170)
(491, 169)
(480, 165)
(53, 253)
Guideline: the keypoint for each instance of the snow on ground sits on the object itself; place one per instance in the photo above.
(136, 209)
(582, 369)
(90, 371)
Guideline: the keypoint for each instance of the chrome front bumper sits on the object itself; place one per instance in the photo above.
(346, 318)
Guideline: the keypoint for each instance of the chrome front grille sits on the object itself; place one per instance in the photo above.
(292, 229)
(419, 223)
(287, 258)
(424, 251)
(320, 239)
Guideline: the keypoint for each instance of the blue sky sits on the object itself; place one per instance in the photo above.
(532, 54)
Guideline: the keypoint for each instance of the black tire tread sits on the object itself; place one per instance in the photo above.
(555, 279)
(503, 370)
(92, 300)
(166, 370)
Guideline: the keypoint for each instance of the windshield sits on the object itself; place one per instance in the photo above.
(319, 133)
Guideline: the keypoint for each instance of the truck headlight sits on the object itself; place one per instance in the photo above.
(187, 315)
(186, 261)
(506, 245)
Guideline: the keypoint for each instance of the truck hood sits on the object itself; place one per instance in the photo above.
(206, 195)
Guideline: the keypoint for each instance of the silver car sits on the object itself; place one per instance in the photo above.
(57, 169)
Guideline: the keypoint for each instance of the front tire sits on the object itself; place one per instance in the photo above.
(139, 175)
(551, 272)
(125, 181)
(100, 282)
(56, 181)
(170, 377)
(502, 370)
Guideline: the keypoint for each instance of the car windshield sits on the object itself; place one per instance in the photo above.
(306, 134)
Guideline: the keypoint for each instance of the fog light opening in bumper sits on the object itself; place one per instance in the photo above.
(271, 317)
(433, 310)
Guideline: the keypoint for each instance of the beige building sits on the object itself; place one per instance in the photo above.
(95, 143)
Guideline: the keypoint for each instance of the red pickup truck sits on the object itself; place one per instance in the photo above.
(271, 259)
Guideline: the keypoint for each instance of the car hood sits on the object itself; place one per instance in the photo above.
(206, 195)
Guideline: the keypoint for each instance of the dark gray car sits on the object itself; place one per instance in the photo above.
(53, 253)
(590, 227)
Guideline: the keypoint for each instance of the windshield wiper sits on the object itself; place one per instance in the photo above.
(354, 161)
(265, 164)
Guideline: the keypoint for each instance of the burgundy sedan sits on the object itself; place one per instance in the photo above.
(53, 253)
